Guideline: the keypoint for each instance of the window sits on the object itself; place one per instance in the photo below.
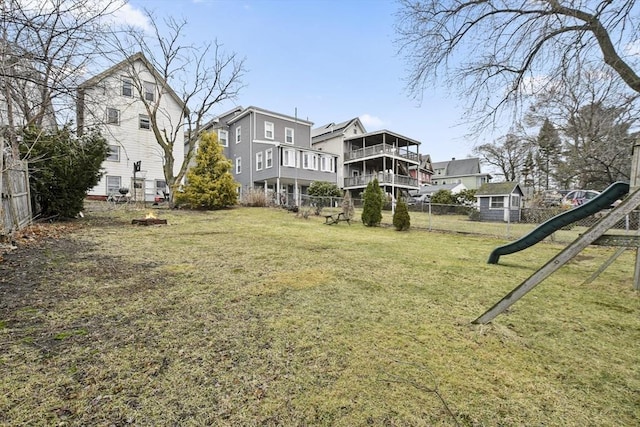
(515, 201)
(238, 134)
(497, 202)
(161, 187)
(269, 158)
(309, 161)
(149, 91)
(326, 164)
(113, 184)
(223, 137)
(114, 153)
(289, 158)
(268, 130)
(127, 87)
(288, 135)
(238, 165)
(259, 161)
(113, 116)
(145, 123)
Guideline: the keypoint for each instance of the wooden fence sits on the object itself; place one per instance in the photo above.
(15, 209)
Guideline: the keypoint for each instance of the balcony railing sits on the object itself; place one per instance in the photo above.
(379, 150)
(383, 178)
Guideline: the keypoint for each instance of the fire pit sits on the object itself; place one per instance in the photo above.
(150, 219)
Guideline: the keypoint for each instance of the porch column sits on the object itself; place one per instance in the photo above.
(296, 193)
(278, 189)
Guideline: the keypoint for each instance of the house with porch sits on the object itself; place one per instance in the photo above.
(119, 101)
(465, 171)
(331, 137)
(272, 151)
(384, 155)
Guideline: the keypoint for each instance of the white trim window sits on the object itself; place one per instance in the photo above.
(127, 87)
(269, 158)
(326, 164)
(238, 134)
(113, 184)
(288, 135)
(515, 201)
(269, 130)
(149, 89)
(496, 202)
(238, 165)
(310, 161)
(114, 153)
(144, 122)
(289, 158)
(259, 164)
(113, 116)
(223, 137)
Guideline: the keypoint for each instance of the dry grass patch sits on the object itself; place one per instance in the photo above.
(252, 316)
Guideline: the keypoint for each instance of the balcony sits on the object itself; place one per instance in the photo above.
(383, 178)
(380, 150)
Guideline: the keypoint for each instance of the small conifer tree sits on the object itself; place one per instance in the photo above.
(347, 205)
(401, 218)
(373, 203)
(210, 184)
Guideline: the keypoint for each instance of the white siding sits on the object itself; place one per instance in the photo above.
(135, 144)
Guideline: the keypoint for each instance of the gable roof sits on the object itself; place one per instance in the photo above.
(462, 167)
(125, 64)
(331, 130)
(499, 189)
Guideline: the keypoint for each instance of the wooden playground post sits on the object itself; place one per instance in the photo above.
(597, 231)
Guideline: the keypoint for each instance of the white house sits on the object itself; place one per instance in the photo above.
(119, 101)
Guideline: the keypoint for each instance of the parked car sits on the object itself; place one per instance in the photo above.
(577, 197)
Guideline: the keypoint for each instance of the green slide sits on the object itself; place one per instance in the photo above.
(602, 201)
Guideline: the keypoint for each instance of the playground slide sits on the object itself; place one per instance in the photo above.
(602, 201)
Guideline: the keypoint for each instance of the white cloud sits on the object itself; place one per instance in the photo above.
(128, 15)
(372, 122)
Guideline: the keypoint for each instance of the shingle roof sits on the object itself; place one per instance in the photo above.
(460, 167)
(331, 129)
(431, 189)
(498, 188)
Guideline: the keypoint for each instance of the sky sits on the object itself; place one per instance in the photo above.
(326, 61)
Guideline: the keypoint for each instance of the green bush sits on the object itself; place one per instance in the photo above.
(210, 184)
(443, 197)
(401, 218)
(62, 168)
(373, 201)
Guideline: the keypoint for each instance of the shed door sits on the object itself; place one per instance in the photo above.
(507, 208)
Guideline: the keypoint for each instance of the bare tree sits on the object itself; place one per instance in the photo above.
(202, 76)
(44, 47)
(508, 154)
(501, 51)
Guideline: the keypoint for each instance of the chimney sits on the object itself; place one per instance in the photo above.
(453, 158)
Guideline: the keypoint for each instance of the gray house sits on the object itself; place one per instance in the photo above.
(465, 171)
(273, 152)
(500, 201)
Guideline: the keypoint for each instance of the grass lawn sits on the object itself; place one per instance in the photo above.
(253, 316)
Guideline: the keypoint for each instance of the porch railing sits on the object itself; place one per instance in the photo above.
(379, 150)
(383, 178)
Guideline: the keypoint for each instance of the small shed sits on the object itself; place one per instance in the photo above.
(500, 201)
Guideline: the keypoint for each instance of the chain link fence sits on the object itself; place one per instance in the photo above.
(454, 218)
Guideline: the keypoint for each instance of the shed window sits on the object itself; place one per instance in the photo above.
(497, 202)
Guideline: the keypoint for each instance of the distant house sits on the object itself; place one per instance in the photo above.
(466, 171)
(117, 101)
(330, 138)
(273, 152)
(424, 171)
(500, 201)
